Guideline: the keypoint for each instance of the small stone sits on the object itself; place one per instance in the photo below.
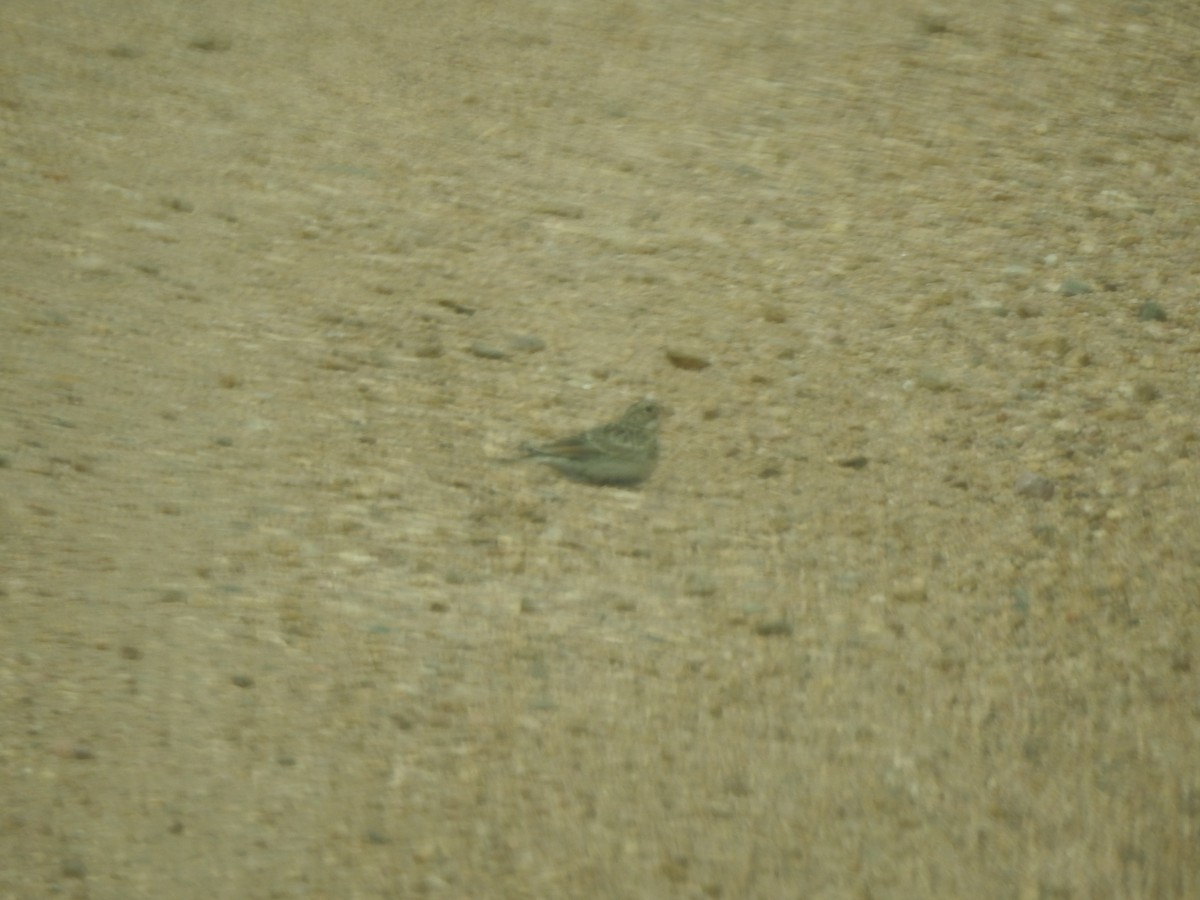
(1073, 287)
(456, 307)
(74, 868)
(933, 22)
(561, 209)
(687, 360)
(528, 343)
(774, 628)
(210, 43)
(700, 584)
(529, 606)
(934, 380)
(1151, 312)
(1046, 534)
(1146, 392)
(1037, 487)
(911, 590)
(242, 681)
(488, 351)
(124, 51)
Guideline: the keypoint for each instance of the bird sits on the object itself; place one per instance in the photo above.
(619, 453)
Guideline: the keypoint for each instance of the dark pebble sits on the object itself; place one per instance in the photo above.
(689, 362)
(210, 43)
(700, 584)
(428, 350)
(1152, 312)
(774, 628)
(488, 351)
(1030, 484)
(528, 343)
(454, 306)
(1146, 392)
(242, 681)
(74, 868)
(179, 204)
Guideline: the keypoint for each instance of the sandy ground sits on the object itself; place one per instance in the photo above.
(909, 608)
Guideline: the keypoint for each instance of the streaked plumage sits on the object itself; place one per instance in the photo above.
(622, 452)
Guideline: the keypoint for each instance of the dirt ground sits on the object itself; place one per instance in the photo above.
(909, 608)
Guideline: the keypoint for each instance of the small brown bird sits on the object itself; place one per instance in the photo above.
(623, 452)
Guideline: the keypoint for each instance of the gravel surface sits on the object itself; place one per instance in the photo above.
(908, 607)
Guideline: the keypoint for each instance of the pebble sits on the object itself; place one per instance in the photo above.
(687, 360)
(74, 868)
(934, 380)
(774, 628)
(488, 351)
(933, 22)
(1151, 312)
(912, 590)
(210, 43)
(1073, 287)
(1030, 484)
(528, 343)
(429, 349)
(1146, 392)
(700, 584)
